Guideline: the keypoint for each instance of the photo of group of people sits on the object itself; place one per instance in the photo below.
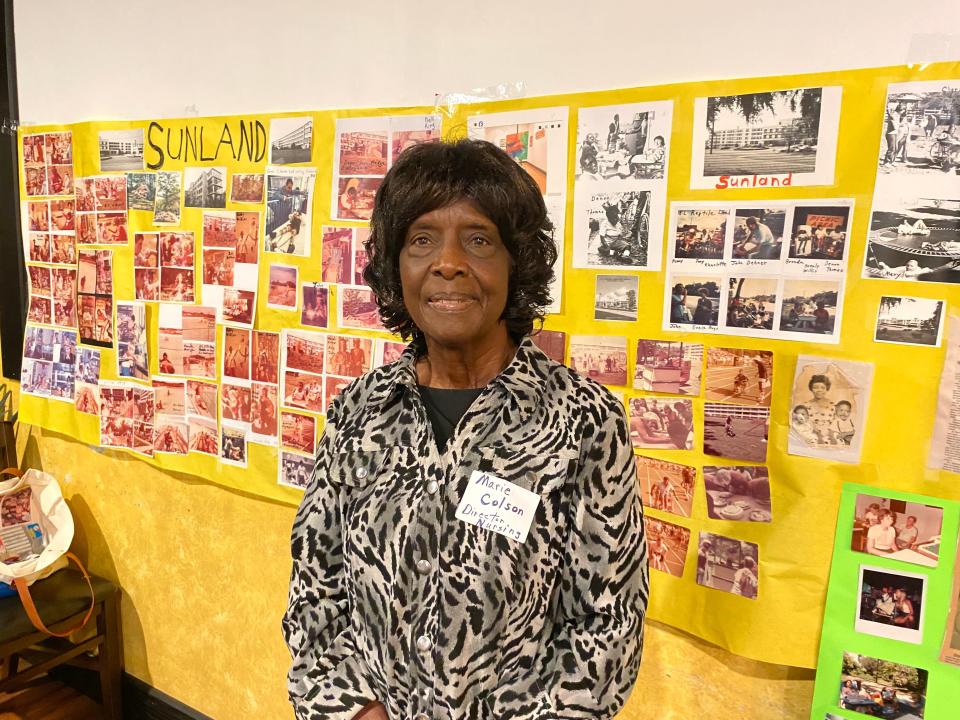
(728, 564)
(661, 423)
(317, 366)
(668, 367)
(49, 231)
(738, 493)
(614, 230)
(600, 357)
(739, 376)
(127, 417)
(364, 149)
(902, 530)
(95, 297)
(666, 485)
(891, 604)
(246, 188)
(164, 266)
(49, 363)
(48, 163)
(667, 545)
(295, 470)
(693, 303)
(818, 237)
(882, 688)
(829, 408)
(230, 265)
(101, 206)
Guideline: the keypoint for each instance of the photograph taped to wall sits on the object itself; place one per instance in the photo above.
(728, 564)
(186, 340)
(536, 139)
(336, 255)
(600, 357)
(738, 493)
(891, 604)
(166, 208)
(829, 408)
(121, 149)
(294, 470)
(693, 302)
(169, 396)
(667, 544)
(817, 241)
(736, 431)
(141, 191)
(289, 215)
(47, 166)
(668, 367)
(739, 376)
(171, 435)
(615, 297)
(264, 414)
(357, 309)
(233, 446)
(868, 685)
(298, 432)
(666, 486)
(950, 651)
(291, 140)
(202, 399)
(898, 529)
(780, 138)
(205, 187)
(909, 321)
(315, 307)
(665, 423)
(613, 229)
(204, 435)
(751, 306)
(132, 359)
(282, 289)
(246, 188)
(235, 403)
(553, 343)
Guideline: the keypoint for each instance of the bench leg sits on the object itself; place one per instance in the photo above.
(111, 658)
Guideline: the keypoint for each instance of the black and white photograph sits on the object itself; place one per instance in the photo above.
(121, 150)
(914, 231)
(614, 230)
(810, 307)
(921, 134)
(909, 321)
(819, 232)
(291, 140)
(616, 298)
(778, 138)
(205, 187)
(728, 564)
(891, 604)
(751, 303)
(295, 470)
(694, 301)
(758, 234)
(619, 142)
(699, 233)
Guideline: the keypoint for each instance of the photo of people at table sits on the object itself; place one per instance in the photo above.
(661, 423)
(882, 688)
(891, 604)
(899, 529)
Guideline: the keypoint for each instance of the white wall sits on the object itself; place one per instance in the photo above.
(84, 59)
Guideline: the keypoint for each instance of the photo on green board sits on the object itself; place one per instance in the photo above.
(882, 688)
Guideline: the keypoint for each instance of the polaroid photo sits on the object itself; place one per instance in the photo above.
(738, 493)
(728, 564)
(387, 351)
(298, 432)
(829, 408)
(818, 238)
(172, 435)
(236, 353)
(203, 434)
(739, 376)
(615, 297)
(698, 236)
(233, 446)
(289, 210)
(891, 604)
(246, 188)
(40, 310)
(121, 150)
(141, 191)
(736, 431)
(336, 255)
(898, 529)
(303, 350)
(166, 207)
(169, 397)
(664, 423)
(205, 187)
(600, 357)
(553, 343)
(265, 357)
(781, 138)
(291, 140)
(811, 310)
(201, 399)
(667, 545)
(357, 309)
(671, 367)
(315, 305)
(282, 290)
(236, 398)
(751, 306)
(347, 356)
(264, 409)
(692, 303)
(665, 485)
(909, 321)
(295, 470)
(303, 390)
(614, 228)
(866, 687)
(757, 239)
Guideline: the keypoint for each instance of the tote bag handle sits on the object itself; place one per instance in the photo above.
(31, 609)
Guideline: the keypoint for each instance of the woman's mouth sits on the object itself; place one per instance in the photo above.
(450, 302)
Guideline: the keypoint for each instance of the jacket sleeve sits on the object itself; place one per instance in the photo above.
(327, 678)
(590, 664)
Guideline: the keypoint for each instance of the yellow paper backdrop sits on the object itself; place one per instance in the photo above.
(782, 625)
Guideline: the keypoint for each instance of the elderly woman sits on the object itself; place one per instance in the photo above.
(471, 543)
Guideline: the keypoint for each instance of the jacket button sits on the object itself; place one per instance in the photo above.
(361, 473)
(432, 487)
(423, 567)
(422, 716)
(424, 643)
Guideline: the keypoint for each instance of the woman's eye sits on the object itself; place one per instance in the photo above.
(479, 240)
(420, 240)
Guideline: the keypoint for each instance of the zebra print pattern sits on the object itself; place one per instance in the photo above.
(394, 599)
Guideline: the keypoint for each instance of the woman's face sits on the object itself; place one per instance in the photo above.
(819, 391)
(455, 272)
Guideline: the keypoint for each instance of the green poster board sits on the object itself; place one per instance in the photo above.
(870, 637)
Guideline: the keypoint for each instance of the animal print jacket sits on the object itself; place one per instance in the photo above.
(393, 598)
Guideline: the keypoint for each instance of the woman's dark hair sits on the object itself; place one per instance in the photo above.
(822, 379)
(433, 175)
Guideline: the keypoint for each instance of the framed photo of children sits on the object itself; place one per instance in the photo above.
(829, 408)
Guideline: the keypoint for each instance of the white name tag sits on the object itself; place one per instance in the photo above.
(496, 504)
